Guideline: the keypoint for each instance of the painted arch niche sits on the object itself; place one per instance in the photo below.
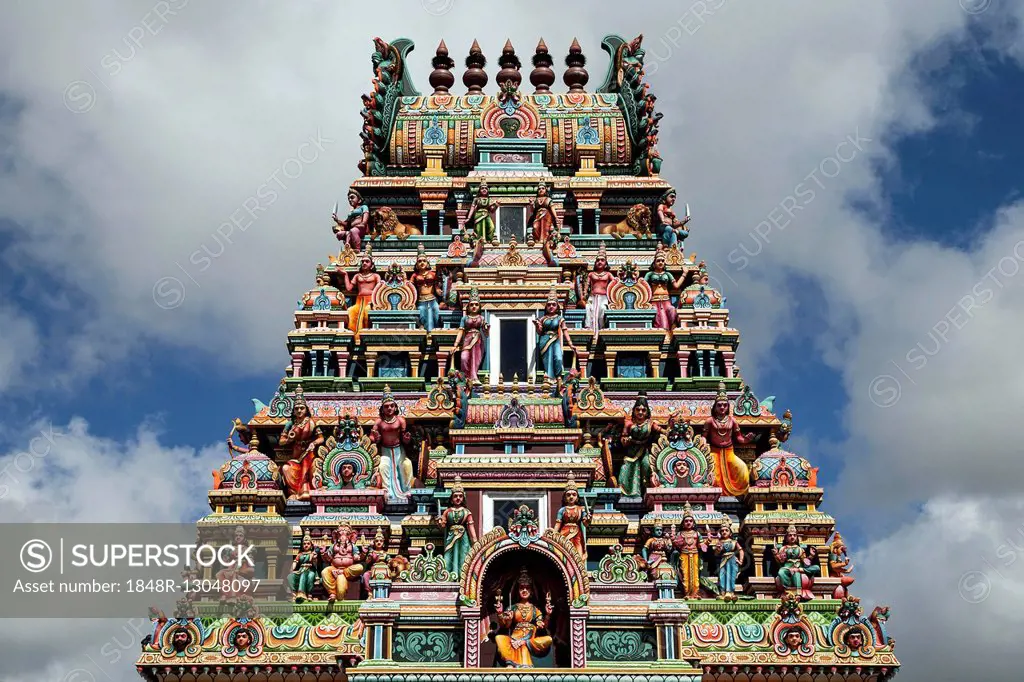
(492, 571)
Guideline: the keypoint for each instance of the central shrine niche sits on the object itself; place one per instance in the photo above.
(512, 434)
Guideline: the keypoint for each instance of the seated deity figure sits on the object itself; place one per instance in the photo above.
(521, 624)
(670, 229)
(344, 557)
(303, 575)
(355, 225)
(799, 566)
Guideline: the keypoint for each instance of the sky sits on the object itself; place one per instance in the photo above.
(854, 171)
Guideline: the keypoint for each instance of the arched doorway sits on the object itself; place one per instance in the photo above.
(553, 565)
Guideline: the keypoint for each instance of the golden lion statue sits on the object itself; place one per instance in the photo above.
(637, 223)
(386, 224)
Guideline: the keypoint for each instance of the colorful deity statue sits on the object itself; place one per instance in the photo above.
(689, 543)
(302, 436)
(721, 430)
(377, 553)
(390, 433)
(730, 556)
(355, 225)
(639, 431)
(363, 284)
(472, 337)
(481, 215)
(542, 218)
(425, 280)
(459, 529)
(596, 293)
(453, 287)
(344, 557)
(234, 448)
(656, 552)
(573, 517)
(234, 578)
(798, 565)
(680, 475)
(551, 335)
(662, 283)
(523, 621)
(303, 575)
(670, 229)
(839, 566)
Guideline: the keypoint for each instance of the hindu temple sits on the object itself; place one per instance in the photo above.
(511, 441)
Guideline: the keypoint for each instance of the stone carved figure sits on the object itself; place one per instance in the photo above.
(730, 556)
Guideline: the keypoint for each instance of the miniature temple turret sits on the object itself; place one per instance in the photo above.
(512, 433)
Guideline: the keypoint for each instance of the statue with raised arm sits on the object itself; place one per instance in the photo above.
(355, 225)
(471, 339)
(721, 431)
(302, 436)
(671, 230)
(662, 283)
(521, 625)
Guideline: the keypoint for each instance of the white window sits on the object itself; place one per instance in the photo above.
(516, 354)
(498, 507)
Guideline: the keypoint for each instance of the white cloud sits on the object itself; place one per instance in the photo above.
(756, 99)
(954, 577)
(66, 474)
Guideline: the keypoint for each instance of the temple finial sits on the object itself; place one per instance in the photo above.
(510, 65)
(442, 78)
(575, 76)
(475, 78)
(543, 76)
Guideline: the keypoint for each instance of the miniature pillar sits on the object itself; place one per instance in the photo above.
(297, 363)
(683, 355)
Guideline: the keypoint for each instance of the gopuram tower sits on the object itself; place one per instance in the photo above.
(512, 442)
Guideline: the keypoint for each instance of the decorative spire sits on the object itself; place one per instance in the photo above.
(254, 444)
(475, 78)
(510, 65)
(542, 76)
(575, 77)
(442, 78)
